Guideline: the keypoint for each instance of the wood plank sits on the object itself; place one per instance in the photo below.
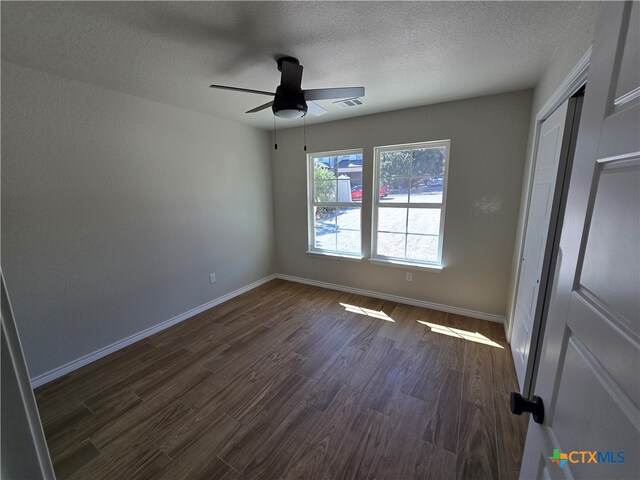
(147, 429)
(323, 451)
(265, 419)
(74, 459)
(279, 448)
(442, 417)
(74, 433)
(451, 347)
(368, 438)
(323, 352)
(380, 351)
(138, 462)
(268, 384)
(434, 463)
(59, 402)
(398, 460)
(504, 372)
(189, 456)
(213, 469)
(510, 437)
(121, 425)
(476, 449)
(396, 330)
(321, 393)
(384, 401)
(478, 375)
(60, 424)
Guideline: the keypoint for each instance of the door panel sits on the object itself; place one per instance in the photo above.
(616, 352)
(618, 132)
(607, 275)
(629, 65)
(577, 417)
(588, 372)
(545, 179)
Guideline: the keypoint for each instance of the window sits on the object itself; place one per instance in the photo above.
(335, 194)
(408, 212)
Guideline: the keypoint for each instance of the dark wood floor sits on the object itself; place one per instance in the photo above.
(292, 381)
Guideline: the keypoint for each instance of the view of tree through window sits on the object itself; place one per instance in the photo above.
(335, 181)
(409, 212)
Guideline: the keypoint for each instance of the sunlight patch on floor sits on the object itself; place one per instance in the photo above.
(368, 312)
(456, 332)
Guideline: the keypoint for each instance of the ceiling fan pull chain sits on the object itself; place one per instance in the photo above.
(304, 123)
(275, 133)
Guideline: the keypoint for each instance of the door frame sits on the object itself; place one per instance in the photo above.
(572, 83)
(25, 395)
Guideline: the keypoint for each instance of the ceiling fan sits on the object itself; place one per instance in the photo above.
(290, 101)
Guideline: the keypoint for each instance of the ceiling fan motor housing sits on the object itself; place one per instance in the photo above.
(288, 104)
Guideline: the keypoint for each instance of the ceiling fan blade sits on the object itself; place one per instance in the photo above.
(261, 107)
(333, 93)
(314, 109)
(246, 90)
(291, 78)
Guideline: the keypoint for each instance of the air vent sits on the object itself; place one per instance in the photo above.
(349, 102)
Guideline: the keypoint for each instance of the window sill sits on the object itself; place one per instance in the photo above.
(341, 256)
(405, 265)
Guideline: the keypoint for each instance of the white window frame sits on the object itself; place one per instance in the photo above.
(311, 203)
(403, 262)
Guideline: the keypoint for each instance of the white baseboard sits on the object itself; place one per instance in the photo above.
(395, 298)
(92, 357)
(104, 351)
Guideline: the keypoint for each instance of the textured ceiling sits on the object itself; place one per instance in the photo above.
(405, 53)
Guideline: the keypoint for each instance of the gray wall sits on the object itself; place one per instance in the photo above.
(578, 39)
(488, 144)
(115, 209)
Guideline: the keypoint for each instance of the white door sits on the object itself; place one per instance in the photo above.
(535, 240)
(589, 371)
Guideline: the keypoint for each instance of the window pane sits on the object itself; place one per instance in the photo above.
(394, 190)
(325, 190)
(326, 162)
(395, 163)
(344, 189)
(356, 193)
(391, 244)
(424, 220)
(419, 189)
(325, 218)
(426, 190)
(324, 168)
(350, 177)
(349, 241)
(325, 240)
(325, 228)
(422, 247)
(348, 218)
(392, 220)
(428, 162)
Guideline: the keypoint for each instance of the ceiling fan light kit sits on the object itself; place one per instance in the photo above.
(289, 104)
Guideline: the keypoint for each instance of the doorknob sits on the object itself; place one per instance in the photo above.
(533, 406)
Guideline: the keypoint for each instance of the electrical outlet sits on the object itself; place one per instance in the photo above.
(212, 278)
(408, 277)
